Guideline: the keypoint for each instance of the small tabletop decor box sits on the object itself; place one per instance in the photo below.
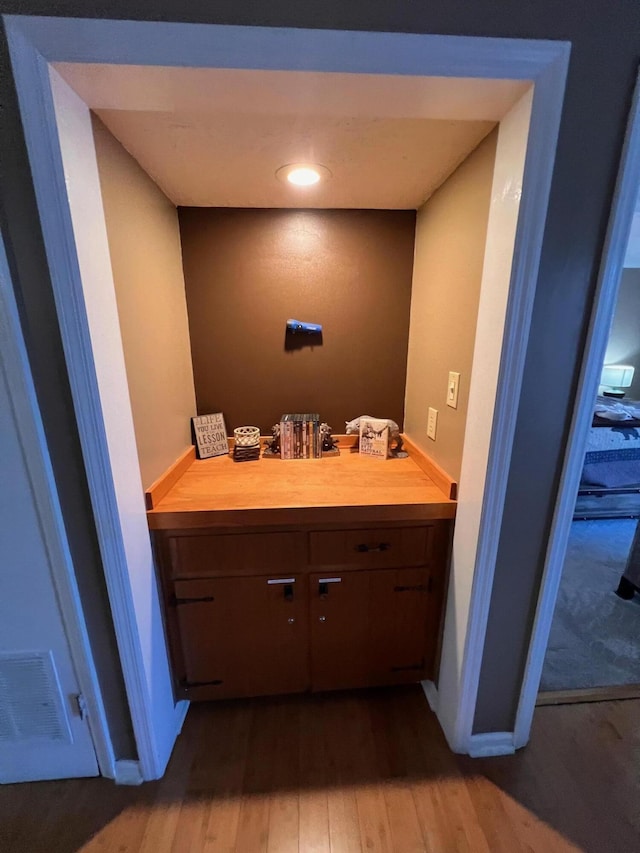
(374, 437)
(210, 434)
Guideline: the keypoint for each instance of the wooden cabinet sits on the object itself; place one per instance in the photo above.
(260, 612)
(280, 577)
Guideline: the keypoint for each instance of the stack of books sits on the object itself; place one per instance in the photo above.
(300, 437)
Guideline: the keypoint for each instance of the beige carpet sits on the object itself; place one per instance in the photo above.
(595, 636)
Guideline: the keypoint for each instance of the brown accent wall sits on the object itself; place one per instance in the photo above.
(248, 271)
(451, 232)
(146, 262)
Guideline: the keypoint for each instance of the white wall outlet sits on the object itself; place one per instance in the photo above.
(452, 389)
(432, 423)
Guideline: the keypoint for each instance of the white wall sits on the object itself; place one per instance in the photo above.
(85, 203)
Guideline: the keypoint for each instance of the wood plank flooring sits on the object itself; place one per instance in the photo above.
(356, 772)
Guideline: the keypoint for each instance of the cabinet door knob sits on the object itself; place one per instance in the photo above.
(291, 620)
(322, 619)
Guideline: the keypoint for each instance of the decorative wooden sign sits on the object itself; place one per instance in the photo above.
(211, 435)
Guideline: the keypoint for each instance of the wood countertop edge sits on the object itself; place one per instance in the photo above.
(305, 516)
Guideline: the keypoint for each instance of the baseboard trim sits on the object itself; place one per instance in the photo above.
(128, 773)
(491, 743)
(431, 692)
(588, 694)
(181, 714)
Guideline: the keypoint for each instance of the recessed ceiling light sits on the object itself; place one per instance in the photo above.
(303, 174)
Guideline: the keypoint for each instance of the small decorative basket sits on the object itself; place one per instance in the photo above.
(247, 436)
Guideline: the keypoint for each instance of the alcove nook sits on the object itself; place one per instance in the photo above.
(311, 574)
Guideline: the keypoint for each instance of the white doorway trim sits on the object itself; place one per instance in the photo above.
(36, 42)
(612, 263)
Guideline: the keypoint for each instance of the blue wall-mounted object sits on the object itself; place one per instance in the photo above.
(297, 326)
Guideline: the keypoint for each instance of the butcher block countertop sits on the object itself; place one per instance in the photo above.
(219, 492)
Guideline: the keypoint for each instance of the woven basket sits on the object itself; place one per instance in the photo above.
(247, 436)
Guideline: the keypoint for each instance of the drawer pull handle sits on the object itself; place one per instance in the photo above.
(323, 586)
(370, 549)
(178, 601)
(287, 586)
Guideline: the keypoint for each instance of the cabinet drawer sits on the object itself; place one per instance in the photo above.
(382, 548)
(235, 553)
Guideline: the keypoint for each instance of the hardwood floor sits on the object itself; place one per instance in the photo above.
(351, 773)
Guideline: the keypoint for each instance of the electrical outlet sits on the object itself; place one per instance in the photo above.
(452, 389)
(432, 423)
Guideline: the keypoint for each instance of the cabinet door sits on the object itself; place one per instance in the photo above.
(370, 628)
(339, 614)
(402, 629)
(243, 636)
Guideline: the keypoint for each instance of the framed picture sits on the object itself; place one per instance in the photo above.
(210, 435)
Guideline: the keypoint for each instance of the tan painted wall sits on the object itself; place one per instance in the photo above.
(146, 259)
(449, 253)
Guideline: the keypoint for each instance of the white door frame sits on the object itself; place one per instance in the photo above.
(611, 266)
(35, 42)
(14, 363)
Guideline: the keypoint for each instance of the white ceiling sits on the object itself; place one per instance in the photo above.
(215, 137)
(230, 160)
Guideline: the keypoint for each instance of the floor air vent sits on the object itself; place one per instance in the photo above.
(31, 704)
